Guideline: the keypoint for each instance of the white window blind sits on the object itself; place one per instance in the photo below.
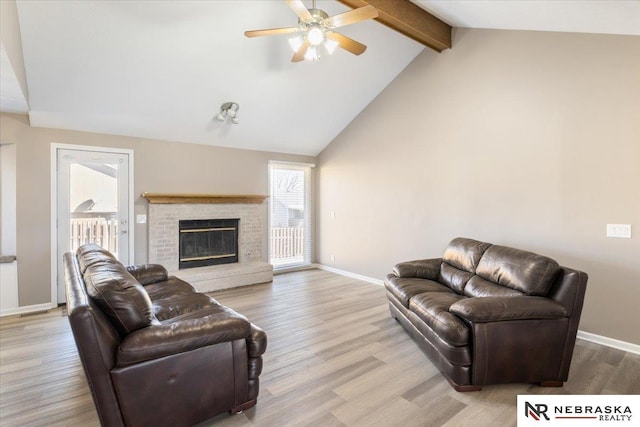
(290, 215)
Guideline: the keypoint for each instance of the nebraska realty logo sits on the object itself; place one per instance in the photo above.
(578, 410)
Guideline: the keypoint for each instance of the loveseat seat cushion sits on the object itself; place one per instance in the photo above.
(479, 287)
(119, 296)
(527, 272)
(406, 288)
(211, 325)
(433, 309)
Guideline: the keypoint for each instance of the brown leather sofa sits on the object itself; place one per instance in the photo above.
(156, 352)
(489, 314)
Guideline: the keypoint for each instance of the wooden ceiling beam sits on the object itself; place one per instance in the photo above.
(410, 20)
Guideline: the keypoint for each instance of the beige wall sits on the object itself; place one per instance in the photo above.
(527, 139)
(160, 167)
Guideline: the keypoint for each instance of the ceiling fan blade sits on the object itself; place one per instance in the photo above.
(353, 16)
(271, 32)
(347, 43)
(302, 50)
(299, 9)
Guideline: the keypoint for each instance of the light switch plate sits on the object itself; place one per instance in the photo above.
(619, 230)
(141, 219)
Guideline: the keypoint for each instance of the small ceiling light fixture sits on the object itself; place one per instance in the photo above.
(229, 109)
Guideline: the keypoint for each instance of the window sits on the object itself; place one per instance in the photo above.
(290, 215)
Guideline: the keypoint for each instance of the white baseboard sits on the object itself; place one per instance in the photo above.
(609, 342)
(349, 274)
(587, 336)
(27, 309)
(285, 270)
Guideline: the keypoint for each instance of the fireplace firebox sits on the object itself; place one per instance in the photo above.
(208, 242)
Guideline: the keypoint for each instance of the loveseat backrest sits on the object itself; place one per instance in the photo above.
(465, 254)
(529, 273)
(459, 262)
(96, 338)
(475, 268)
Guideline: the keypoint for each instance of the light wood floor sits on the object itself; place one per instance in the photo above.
(335, 358)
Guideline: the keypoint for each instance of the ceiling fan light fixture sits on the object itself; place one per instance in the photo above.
(311, 54)
(295, 43)
(315, 36)
(221, 115)
(330, 45)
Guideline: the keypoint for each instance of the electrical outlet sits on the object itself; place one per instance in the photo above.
(333, 214)
(619, 230)
(333, 258)
(141, 219)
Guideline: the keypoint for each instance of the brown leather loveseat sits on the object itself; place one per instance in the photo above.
(156, 352)
(489, 314)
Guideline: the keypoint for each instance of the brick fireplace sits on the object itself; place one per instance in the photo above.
(165, 211)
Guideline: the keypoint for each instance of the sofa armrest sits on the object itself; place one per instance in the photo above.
(148, 273)
(216, 325)
(422, 268)
(495, 309)
(256, 342)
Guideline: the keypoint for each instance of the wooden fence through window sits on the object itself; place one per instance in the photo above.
(101, 231)
(287, 243)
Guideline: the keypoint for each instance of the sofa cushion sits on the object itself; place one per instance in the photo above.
(91, 254)
(119, 296)
(405, 288)
(453, 277)
(433, 309)
(464, 254)
(479, 287)
(529, 273)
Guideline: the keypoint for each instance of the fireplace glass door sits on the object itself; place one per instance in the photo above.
(208, 242)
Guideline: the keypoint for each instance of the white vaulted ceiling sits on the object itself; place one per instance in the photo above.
(161, 69)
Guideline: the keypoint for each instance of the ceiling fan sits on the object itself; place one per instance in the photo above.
(316, 29)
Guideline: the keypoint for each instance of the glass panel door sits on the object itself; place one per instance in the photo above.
(289, 215)
(93, 204)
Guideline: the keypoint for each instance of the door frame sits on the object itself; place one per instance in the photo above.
(54, 205)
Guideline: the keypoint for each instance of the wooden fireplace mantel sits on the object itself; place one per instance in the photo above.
(161, 198)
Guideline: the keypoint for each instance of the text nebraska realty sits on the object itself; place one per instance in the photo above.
(601, 413)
